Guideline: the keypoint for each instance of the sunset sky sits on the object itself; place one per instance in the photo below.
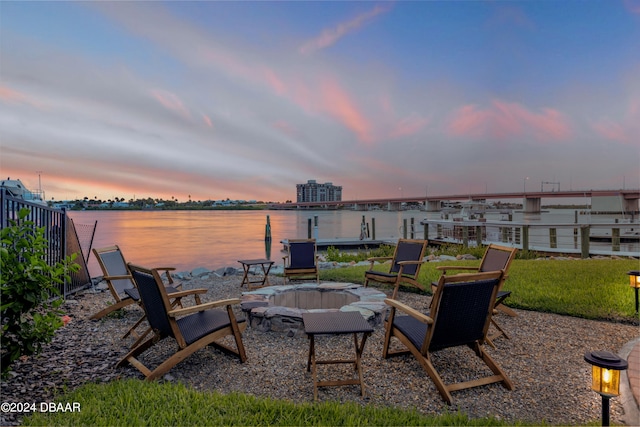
(243, 100)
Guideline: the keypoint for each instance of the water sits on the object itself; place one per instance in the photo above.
(214, 239)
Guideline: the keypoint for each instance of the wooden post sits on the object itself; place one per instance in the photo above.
(615, 240)
(404, 228)
(373, 228)
(553, 238)
(426, 231)
(465, 235)
(412, 229)
(267, 231)
(309, 228)
(575, 238)
(525, 237)
(584, 241)
(479, 235)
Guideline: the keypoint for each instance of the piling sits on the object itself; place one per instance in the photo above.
(404, 228)
(267, 230)
(373, 228)
(553, 238)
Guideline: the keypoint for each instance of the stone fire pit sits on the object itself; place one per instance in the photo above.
(280, 308)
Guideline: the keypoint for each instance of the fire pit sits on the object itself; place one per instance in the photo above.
(280, 308)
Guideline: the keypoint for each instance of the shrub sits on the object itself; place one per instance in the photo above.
(29, 311)
(335, 255)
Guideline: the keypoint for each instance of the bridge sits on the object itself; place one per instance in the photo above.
(601, 200)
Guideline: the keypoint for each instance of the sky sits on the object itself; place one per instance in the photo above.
(212, 100)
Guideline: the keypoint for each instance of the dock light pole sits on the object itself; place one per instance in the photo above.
(634, 282)
(605, 377)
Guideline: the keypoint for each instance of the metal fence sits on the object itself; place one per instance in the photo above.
(59, 231)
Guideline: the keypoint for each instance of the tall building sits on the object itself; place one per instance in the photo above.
(314, 192)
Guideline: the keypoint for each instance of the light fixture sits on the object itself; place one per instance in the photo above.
(634, 282)
(605, 377)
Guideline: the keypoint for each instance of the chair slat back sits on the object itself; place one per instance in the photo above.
(462, 312)
(153, 300)
(302, 254)
(112, 263)
(408, 250)
(495, 259)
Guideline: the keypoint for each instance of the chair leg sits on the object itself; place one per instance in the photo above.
(113, 307)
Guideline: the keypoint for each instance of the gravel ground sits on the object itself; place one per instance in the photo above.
(544, 359)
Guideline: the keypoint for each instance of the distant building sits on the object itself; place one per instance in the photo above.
(314, 192)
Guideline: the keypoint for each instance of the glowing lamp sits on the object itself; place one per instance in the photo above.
(605, 377)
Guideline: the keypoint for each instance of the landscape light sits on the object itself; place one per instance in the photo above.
(605, 377)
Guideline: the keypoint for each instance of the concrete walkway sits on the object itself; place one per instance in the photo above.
(630, 387)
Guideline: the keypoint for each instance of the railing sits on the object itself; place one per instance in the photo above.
(608, 239)
(59, 232)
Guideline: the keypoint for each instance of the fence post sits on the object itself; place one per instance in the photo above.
(584, 241)
(615, 240)
(525, 237)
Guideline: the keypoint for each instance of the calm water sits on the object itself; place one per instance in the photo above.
(214, 239)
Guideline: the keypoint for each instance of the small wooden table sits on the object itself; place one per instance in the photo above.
(336, 323)
(262, 281)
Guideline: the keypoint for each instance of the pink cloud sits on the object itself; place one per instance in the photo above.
(626, 129)
(338, 104)
(170, 101)
(9, 95)
(632, 6)
(330, 36)
(410, 125)
(611, 131)
(503, 120)
(285, 127)
(207, 120)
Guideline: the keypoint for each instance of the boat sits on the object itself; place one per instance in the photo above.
(15, 188)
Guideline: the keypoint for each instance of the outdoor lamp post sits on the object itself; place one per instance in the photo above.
(605, 377)
(634, 282)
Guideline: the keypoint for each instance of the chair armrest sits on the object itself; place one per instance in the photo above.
(456, 267)
(202, 307)
(165, 268)
(379, 258)
(410, 262)
(118, 277)
(408, 310)
(182, 294)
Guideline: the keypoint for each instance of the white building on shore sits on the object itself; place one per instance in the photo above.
(314, 192)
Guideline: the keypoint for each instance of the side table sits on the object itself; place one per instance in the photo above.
(261, 281)
(336, 323)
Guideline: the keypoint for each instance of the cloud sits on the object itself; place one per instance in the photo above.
(504, 120)
(330, 36)
(10, 95)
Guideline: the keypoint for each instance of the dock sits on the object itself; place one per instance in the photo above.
(346, 244)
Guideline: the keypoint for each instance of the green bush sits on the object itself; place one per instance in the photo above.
(335, 255)
(29, 314)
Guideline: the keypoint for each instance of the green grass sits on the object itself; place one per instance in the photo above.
(140, 403)
(592, 289)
